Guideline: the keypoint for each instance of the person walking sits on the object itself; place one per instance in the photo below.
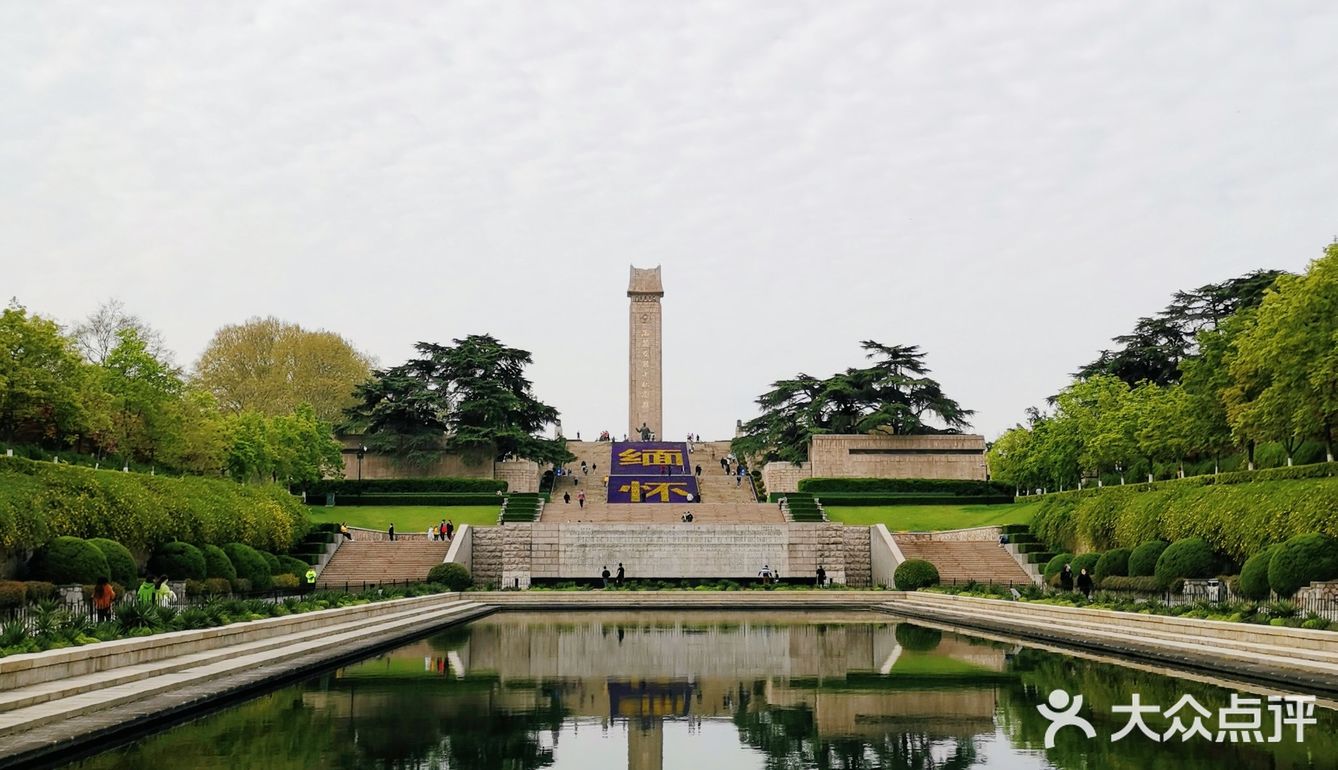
(450, 529)
(765, 574)
(103, 595)
(432, 532)
(699, 470)
(580, 499)
(605, 576)
(310, 584)
(145, 593)
(621, 573)
(163, 594)
(822, 576)
(1085, 583)
(1066, 578)
(566, 498)
(724, 464)
(391, 531)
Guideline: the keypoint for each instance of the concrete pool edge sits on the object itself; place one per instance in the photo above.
(1069, 628)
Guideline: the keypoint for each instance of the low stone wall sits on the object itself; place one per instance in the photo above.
(519, 475)
(858, 561)
(785, 477)
(972, 535)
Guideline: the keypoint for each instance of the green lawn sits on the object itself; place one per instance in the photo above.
(902, 518)
(407, 518)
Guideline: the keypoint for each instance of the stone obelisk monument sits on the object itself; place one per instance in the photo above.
(645, 394)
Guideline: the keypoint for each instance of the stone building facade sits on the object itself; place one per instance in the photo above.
(874, 455)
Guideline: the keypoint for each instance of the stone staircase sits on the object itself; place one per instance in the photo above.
(594, 453)
(717, 486)
(382, 561)
(963, 561)
(623, 513)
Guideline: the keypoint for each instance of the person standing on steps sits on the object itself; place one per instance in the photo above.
(580, 499)
(699, 470)
(450, 529)
(605, 576)
(621, 573)
(391, 531)
(566, 498)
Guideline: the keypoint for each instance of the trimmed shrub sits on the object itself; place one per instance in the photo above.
(453, 576)
(918, 638)
(962, 487)
(40, 501)
(1253, 582)
(1056, 565)
(217, 586)
(342, 487)
(178, 561)
(217, 564)
(1146, 584)
(1143, 559)
(251, 566)
(120, 561)
(914, 574)
(1086, 561)
(1190, 557)
(40, 589)
(69, 560)
(1113, 563)
(444, 500)
(1301, 560)
(286, 581)
(291, 566)
(12, 594)
(273, 562)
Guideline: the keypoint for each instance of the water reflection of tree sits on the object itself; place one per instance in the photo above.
(789, 739)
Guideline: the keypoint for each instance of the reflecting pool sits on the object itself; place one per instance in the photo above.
(707, 690)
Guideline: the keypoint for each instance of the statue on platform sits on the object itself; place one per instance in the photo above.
(644, 431)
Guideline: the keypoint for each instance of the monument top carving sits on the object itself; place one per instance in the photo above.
(645, 280)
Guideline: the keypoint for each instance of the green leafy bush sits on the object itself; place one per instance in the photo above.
(1301, 560)
(290, 566)
(1056, 565)
(217, 564)
(251, 566)
(40, 589)
(272, 561)
(962, 487)
(342, 487)
(917, 638)
(1237, 519)
(40, 501)
(1143, 584)
(1253, 582)
(178, 561)
(69, 560)
(1113, 563)
(1189, 557)
(873, 498)
(1143, 559)
(1086, 561)
(453, 576)
(444, 500)
(914, 574)
(286, 581)
(120, 561)
(12, 593)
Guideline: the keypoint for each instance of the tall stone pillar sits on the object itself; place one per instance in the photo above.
(645, 396)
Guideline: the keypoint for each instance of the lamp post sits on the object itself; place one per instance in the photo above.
(362, 451)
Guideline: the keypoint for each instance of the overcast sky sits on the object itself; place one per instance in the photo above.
(1007, 185)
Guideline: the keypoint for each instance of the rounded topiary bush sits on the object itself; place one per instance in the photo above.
(273, 562)
(1254, 574)
(1113, 563)
(1143, 559)
(1056, 565)
(120, 561)
(69, 560)
(251, 566)
(1085, 561)
(914, 574)
(1300, 560)
(290, 566)
(217, 564)
(178, 561)
(453, 576)
(919, 638)
(1190, 557)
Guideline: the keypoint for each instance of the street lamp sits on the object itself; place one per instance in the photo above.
(362, 451)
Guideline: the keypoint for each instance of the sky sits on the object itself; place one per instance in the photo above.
(1006, 185)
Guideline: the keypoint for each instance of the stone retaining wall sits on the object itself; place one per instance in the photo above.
(973, 535)
(858, 563)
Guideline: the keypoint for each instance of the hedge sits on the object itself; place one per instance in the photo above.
(40, 501)
(411, 499)
(1190, 557)
(178, 561)
(1086, 561)
(453, 576)
(853, 498)
(1113, 563)
(121, 564)
(292, 566)
(1143, 559)
(1301, 560)
(1254, 575)
(69, 560)
(251, 566)
(1056, 565)
(217, 564)
(273, 562)
(964, 487)
(914, 574)
(1237, 520)
(381, 486)
(1145, 584)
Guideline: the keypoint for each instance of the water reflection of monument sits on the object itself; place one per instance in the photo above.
(847, 677)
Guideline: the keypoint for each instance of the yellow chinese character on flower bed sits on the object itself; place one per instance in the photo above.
(645, 491)
(651, 457)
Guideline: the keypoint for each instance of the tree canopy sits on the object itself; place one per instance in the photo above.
(272, 366)
(894, 395)
(470, 395)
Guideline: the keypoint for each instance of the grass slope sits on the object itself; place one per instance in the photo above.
(904, 518)
(407, 518)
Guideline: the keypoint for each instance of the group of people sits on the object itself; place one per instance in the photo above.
(605, 575)
(443, 531)
(580, 496)
(731, 466)
(1083, 582)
